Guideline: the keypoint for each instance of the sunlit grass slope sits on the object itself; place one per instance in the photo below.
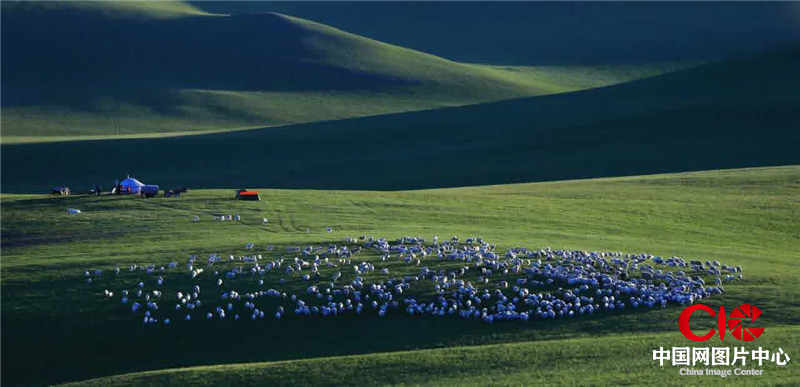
(141, 10)
(746, 217)
(729, 114)
(130, 9)
(125, 68)
(555, 33)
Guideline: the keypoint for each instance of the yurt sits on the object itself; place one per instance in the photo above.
(130, 186)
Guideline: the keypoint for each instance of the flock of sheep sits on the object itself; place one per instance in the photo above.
(469, 279)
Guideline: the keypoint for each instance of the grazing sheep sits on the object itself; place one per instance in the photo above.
(529, 285)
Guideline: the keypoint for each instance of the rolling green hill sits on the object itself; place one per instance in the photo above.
(116, 69)
(585, 361)
(109, 9)
(347, 129)
(555, 33)
(728, 114)
(58, 328)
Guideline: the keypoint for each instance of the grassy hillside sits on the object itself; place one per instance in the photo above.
(594, 361)
(721, 115)
(744, 217)
(110, 9)
(554, 33)
(114, 69)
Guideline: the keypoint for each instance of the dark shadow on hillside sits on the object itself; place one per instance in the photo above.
(82, 56)
(723, 115)
(554, 33)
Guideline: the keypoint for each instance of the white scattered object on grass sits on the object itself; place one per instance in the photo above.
(195, 218)
(73, 211)
(588, 282)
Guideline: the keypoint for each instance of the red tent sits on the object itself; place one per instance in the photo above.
(243, 194)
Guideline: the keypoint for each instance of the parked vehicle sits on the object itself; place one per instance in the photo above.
(149, 190)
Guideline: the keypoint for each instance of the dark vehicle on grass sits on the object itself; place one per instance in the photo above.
(149, 191)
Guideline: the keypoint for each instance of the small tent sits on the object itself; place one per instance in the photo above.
(130, 186)
(244, 194)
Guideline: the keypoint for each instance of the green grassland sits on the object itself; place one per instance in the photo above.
(167, 67)
(115, 10)
(728, 114)
(554, 33)
(366, 137)
(58, 328)
(607, 360)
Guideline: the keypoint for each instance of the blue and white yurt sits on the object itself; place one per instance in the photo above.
(130, 186)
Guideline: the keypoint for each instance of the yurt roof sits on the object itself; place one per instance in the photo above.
(132, 181)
